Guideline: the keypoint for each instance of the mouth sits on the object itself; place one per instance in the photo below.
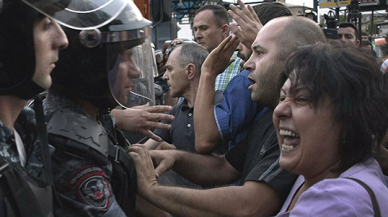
(290, 139)
(253, 83)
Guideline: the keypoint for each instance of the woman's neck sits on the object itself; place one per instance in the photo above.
(10, 108)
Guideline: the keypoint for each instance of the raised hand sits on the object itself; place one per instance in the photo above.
(248, 23)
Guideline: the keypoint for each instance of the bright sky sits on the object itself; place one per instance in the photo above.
(185, 31)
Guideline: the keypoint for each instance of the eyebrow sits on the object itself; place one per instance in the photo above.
(255, 47)
(200, 26)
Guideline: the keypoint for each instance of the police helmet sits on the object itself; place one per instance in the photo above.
(17, 51)
(109, 59)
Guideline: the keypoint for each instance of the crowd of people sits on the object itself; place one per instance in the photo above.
(285, 122)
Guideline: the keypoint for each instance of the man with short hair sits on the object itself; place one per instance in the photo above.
(255, 159)
(211, 26)
(183, 69)
(228, 122)
(348, 33)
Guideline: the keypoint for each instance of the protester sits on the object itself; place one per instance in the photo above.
(228, 122)
(348, 33)
(254, 160)
(30, 40)
(211, 26)
(326, 132)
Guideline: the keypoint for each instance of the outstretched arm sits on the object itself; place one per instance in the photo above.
(141, 119)
(251, 199)
(207, 136)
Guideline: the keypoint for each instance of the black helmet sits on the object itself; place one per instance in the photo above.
(111, 58)
(17, 51)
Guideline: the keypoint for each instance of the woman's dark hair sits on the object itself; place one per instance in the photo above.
(353, 82)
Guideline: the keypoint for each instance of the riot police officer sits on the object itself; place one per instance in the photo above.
(104, 66)
(30, 40)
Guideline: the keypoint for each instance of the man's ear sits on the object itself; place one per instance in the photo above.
(225, 29)
(191, 71)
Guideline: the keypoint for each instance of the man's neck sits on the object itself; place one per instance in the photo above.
(191, 93)
(10, 108)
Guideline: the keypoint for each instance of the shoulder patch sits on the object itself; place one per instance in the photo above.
(92, 187)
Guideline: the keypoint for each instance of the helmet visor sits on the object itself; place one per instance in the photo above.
(131, 68)
(85, 14)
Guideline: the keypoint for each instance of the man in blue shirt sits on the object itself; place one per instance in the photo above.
(228, 121)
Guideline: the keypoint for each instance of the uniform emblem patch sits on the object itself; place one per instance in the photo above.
(92, 187)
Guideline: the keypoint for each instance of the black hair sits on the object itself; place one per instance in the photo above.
(353, 82)
(270, 10)
(219, 12)
(351, 25)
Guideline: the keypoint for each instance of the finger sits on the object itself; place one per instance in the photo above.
(222, 44)
(244, 9)
(159, 109)
(231, 46)
(237, 31)
(255, 17)
(159, 125)
(234, 12)
(160, 169)
(151, 135)
(159, 117)
(137, 148)
(140, 106)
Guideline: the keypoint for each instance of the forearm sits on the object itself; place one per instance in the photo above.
(250, 200)
(205, 170)
(207, 136)
(146, 209)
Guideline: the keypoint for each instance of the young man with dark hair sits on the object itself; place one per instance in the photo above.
(348, 32)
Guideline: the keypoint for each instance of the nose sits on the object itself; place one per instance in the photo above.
(249, 65)
(134, 72)
(341, 38)
(282, 110)
(197, 35)
(165, 75)
(61, 39)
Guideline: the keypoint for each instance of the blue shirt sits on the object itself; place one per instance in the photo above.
(237, 111)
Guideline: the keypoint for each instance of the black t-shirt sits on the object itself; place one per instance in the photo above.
(257, 157)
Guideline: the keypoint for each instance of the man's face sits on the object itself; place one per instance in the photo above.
(175, 75)
(128, 70)
(264, 64)
(243, 53)
(206, 31)
(49, 38)
(348, 35)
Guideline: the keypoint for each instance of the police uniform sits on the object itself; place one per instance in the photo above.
(23, 183)
(84, 184)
